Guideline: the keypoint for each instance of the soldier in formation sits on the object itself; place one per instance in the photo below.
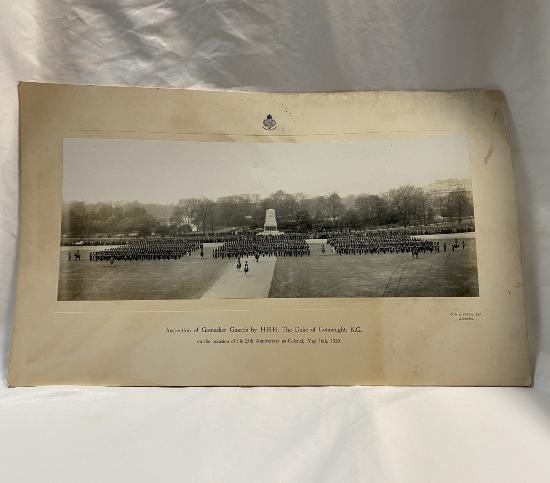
(154, 249)
(263, 246)
(381, 243)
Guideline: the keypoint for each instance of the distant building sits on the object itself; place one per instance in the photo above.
(441, 188)
(444, 186)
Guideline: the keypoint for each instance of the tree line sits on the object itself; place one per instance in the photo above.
(403, 206)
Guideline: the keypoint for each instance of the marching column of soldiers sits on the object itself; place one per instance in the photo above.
(391, 242)
(278, 246)
(159, 249)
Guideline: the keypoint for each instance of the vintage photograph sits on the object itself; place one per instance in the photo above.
(168, 220)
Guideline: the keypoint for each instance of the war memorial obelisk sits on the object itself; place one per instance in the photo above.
(270, 225)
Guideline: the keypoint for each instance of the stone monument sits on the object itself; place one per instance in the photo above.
(270, 225)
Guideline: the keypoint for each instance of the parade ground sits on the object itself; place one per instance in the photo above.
(443, 274)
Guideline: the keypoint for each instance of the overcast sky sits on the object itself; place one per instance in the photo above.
(166, 171)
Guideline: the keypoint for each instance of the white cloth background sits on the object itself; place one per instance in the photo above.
(303, 434)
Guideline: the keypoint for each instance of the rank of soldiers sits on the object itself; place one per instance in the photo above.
(293, 245)
(389, 242)
(154, 249)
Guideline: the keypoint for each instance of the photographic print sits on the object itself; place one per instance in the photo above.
(187, 238)
(161, 220)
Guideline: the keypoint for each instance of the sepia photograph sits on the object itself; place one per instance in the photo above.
(372, 242)
(168, 220)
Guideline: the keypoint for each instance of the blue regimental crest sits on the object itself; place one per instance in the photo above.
(269, 123)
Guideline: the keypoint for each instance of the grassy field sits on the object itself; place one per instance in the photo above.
(186, 278)
(450, 274)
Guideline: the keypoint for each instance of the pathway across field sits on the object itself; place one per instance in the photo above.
(234, 284)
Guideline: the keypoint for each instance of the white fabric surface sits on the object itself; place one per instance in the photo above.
(303, 434)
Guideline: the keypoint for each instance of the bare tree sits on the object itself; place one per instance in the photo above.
(203, 210)
(371, 210)
(420, 207)
(183, 212)
(402, 200)
(335, 206)
(459, 204)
